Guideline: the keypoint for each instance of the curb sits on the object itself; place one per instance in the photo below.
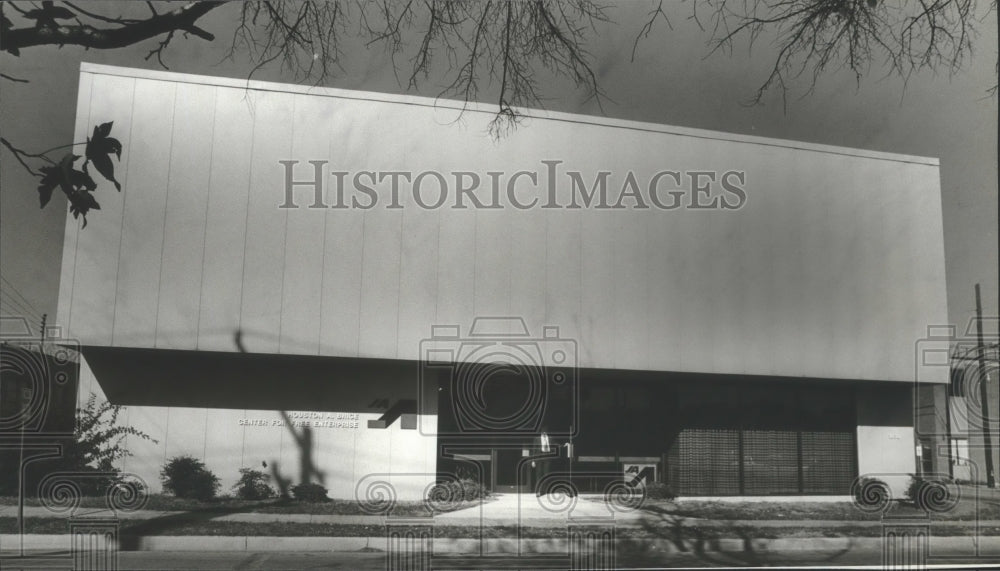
(9, 542)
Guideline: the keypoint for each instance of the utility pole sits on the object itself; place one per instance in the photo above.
(23, 428)
(991, 480)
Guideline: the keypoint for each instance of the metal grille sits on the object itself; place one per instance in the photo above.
(770, 462)
(767, 439)
(827, 462)
(709, 462)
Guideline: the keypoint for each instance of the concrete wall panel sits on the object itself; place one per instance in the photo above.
(304, 257)
(886, 446)
(97, 248)
(221, 290)
(71, 235)
(419, 267)
(179, 304)
(185, 433)
(140, 259)
(225, 444)
(266, 224)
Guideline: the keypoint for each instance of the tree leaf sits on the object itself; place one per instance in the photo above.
(81, 202)
(82, 179)
(103, 130)
(114, 145)
(65, 173)
(104, 166)
(99, 147)
(48, 183)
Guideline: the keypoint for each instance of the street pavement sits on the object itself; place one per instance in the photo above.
(215, 552)
(861, 558)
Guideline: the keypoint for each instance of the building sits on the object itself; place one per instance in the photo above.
(38, 397)
(278, 284)
(969, 421)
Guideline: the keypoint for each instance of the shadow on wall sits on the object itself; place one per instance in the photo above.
(308, 472)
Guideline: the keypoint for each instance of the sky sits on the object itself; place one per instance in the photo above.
(673, 80)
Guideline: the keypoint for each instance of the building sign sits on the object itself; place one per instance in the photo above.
(334, 420)
(640, 474)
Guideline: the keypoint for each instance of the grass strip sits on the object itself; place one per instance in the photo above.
(288, 529)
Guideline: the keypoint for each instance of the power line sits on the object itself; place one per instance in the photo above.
(19, 309)
(20, 305)
(24, 299)
(11, 287)
(9, 310)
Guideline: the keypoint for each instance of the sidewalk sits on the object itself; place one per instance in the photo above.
(505, 510)
(986, 548)
(244, 517)
(513, 511)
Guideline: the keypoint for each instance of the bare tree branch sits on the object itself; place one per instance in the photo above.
(126, 32)
(18, 154)
(12, 78)
(647, 28)
(817, 35)
(468, 46)
(99, 17)
(158, 50)
(474, 44)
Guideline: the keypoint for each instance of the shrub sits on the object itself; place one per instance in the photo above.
(91, 458)
(938, 494)
(871, 494)
(660, 491)
(187, 477)
(452, 491)
(913, 488)
(253, 485)
(309, 492)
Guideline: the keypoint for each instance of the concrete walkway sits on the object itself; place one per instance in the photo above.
(509, 509)
(247, 517)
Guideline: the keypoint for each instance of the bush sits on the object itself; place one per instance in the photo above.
(660, 491)
(913, 487)
(871, 494)
(938, 494)
(463, 490)
(187, 477)
(90, 459)
(253, 485)
(309, 492)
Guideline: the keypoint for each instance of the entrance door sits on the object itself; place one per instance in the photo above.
(505, 461)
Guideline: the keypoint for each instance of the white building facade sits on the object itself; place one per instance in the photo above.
(757, 328)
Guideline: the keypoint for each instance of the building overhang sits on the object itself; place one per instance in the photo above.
(218, 379)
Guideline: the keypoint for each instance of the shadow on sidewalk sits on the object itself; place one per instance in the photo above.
(703, 543)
